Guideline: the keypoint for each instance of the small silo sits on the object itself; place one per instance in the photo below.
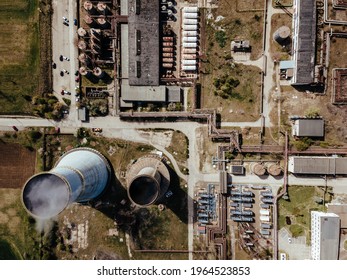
(90, 21)
(98, 72)
(80, 175)
(89, 7)
(282, 34)
(103, 23)
(84, 72)
(84, 59)
(103, 9)
(81, 32)
(258, 168)
(273, 168)
(148, 179)
(82, 45)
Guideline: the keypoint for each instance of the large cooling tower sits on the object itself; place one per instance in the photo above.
(79, 175)
(148, 179)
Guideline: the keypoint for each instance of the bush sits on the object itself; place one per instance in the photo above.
(220, 37)
(296, 230)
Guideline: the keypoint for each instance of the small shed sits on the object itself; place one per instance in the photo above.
(82, 114)
(308, 128)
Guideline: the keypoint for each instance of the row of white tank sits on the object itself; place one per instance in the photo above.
(190, 39)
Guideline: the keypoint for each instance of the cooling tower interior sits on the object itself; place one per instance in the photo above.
(148, 179)
(80, 175)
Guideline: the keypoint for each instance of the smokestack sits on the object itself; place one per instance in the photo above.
(148, 179)
(80, 175)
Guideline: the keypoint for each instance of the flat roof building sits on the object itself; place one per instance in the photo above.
(308, 128)
(143, 42)
(317, 165)
(325, 235)
(304, 41)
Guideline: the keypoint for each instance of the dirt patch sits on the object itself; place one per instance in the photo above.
(17, 165)
(4, 218)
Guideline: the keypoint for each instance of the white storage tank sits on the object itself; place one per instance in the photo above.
(189, 51)
(190, 33)
(189, 56)
(190, 21)
(189, 67)
(190, 27)
(190, 39)
(190, 45)
(190, 9)
(190, 15)
(189, 62)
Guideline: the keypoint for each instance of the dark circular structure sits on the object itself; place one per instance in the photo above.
(148, 179)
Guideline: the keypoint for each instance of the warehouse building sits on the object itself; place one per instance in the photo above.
(308, 128)
(317, 165)
(325, 236)
(304, 41)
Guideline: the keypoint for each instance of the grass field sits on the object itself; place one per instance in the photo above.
(19, 61)
(295, 214)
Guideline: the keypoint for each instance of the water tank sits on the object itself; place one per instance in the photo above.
(258, 168)
(193, 33)
(99, 73)
(103, 23)
(190, 22)
(89, 7)
(80, 175)
(82, 45)
(190, 27)
(273, 168)
(189, 62)
(281, 34)
(189, 45)
(103, 9)
(84, 59)
(189, 56)
(90, 21)
(190, 9)
(84, 72)
(148, 179)
(190, 15)
(189, 67)
(190, 39)
(81, 32)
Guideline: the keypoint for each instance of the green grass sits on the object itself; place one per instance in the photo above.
(298, 209)
(19, 64)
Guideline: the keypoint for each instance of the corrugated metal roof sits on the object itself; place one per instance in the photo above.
(318, 165)
(309, 127)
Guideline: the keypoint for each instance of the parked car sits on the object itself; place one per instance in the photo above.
(15, 128)
(75, 22)
(168, 194)
(65, 71)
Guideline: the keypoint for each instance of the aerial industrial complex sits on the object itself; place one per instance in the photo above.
(221, 119)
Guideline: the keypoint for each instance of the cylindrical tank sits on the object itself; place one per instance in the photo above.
(103, 9)
(190, 33)
(148, 179)
(190, 15)
(190, 9)
(168, 60)
(88, 6)
(190, 21)
(189, 67)
(82, 45)
(190, 39)
(79, 175)
(168, 49)
(99, 73)
(273, 168)
(189, 62)
(258, 168)
(84, 72)
(81, 32)
(168, 44)
(281, 34)
(90, 21)
(168, 55)
(103, 23)
(189, 51)
(192, 27)
(170, 4)
(163, 8)
(167, 65)
(189, 45)
(84, 59)
(189, 56)
(168, 39)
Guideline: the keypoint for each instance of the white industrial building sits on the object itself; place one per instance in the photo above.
(325, 235)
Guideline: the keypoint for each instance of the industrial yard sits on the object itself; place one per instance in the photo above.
(173, 129)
